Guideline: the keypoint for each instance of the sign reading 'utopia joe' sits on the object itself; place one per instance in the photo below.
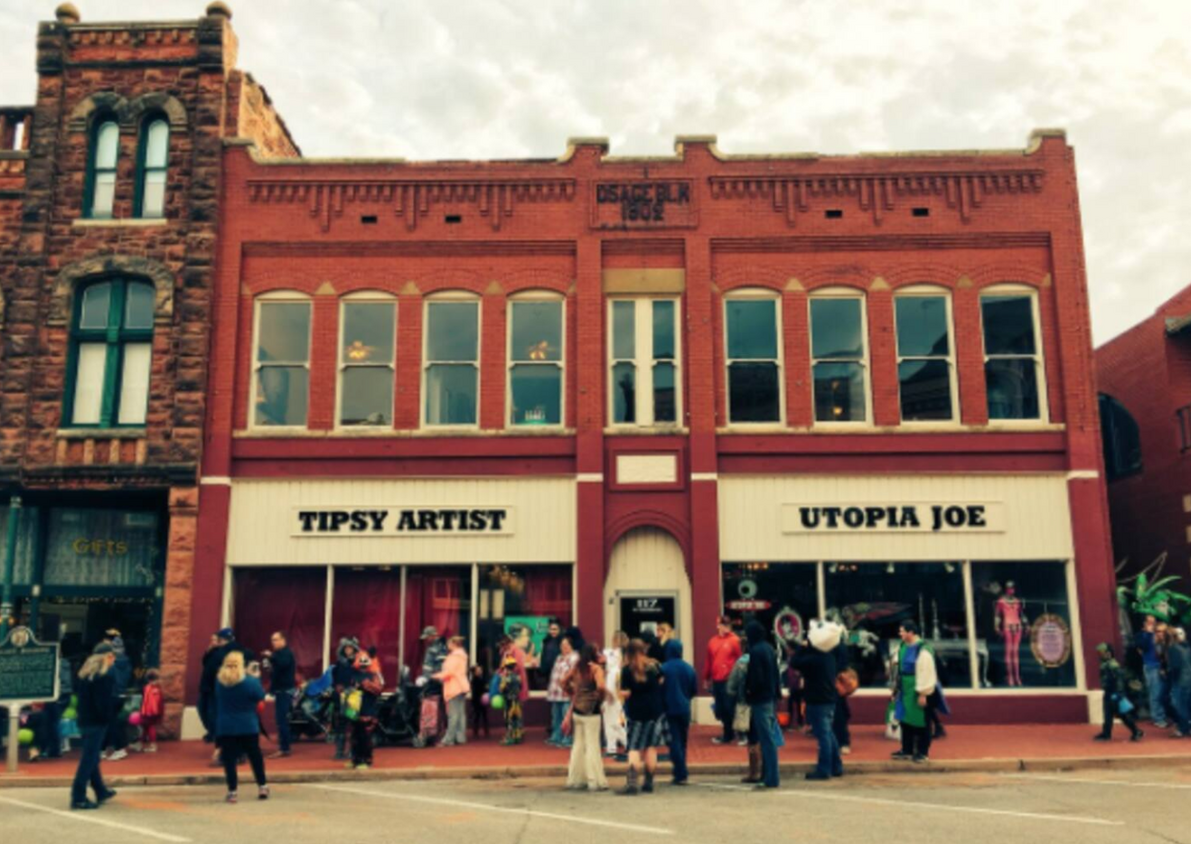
(917, 517)
(370, 520)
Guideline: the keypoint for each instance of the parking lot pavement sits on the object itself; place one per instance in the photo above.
(1116, 808)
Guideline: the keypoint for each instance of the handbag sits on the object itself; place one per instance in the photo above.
(742, 718)
(1124, 705)
(847, 682)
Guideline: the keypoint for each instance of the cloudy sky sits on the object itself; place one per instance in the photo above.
(513, 78)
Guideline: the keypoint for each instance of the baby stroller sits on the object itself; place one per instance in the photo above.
(312, 710)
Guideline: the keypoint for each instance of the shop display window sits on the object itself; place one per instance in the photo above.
(93, 548)
(367, 606)
(873, 599)
(1023, 618)
(535, 362)
(782, 596)
(521, 597)
(439, 597)
(292, 600)
(22, 573)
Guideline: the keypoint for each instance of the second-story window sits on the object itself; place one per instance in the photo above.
(644, 363)
(925, 367)
(152, 168)
(282, 360)
(451, 361)
(367, 362)
(1012, 355)
(535, 360)
(754, 358)
(112, 348)
(839, 358)
(100, 194)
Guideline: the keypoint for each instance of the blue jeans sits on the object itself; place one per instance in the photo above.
(1180, 696)
(558, 713)
(820, 716)
(766, 725)
(1154, 688)
(680, 728)
(725, 708)
(282, 701)
(88, 770)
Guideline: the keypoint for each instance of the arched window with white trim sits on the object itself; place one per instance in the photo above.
(451, 360)
(1013, 373)
(281, 360)
(536, 359)
(753, 356)
(367, 358)
(839, 356)
(925, 354)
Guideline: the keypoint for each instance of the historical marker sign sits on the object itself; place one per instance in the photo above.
(28, 669)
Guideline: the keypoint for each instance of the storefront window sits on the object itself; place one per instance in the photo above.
(1023, 624)
(535, 362)
(367, 606)
(838, 358)
(101, 548)
(438, 597)
(873, 599)
(366, 362)
(292, 600)
(452, 355)
(782, 596)
(522, 596)
(754, 359)
(22, 573)
(282, 363)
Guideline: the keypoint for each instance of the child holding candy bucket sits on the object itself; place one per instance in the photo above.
(510, 700)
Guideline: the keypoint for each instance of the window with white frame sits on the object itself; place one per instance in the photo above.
(451, 360)
(1013, 371)
(281, 365)
(752, 325)
(367, 359)
(839, 357)
(925, 355)
(536, 359)
(644, 363)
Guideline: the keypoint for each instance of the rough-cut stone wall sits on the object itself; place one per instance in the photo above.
(185, 71)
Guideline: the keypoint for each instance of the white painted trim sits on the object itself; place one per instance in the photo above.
(590, 477)
(970, 609)
(215, 480)
(328, 608)
(1083, 475)
(475, 612)
(705, 476)
(225, 610)
(192, 724)
(1081, 676)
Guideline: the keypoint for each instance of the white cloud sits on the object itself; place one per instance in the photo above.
(513, 78)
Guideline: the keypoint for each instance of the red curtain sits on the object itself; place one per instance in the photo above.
(367, 605)
(439, 597)
(548, 592)
(292, 600)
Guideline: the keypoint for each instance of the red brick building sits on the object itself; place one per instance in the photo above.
(1145, 382)
(108, 220)
(618, 391)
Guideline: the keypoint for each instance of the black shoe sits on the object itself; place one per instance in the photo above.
(815, 775)
(680, 782)
(837, 774)
(900, 755)
(647, 786)
(106, 796)
(1138, 736)
(1101, 737)
(86, 804)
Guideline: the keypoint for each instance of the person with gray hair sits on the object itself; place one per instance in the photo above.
(96, 711)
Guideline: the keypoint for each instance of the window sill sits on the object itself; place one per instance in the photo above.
(862, 429)
(646, 431)
(133, 433)
(129, 223)
(392, 433)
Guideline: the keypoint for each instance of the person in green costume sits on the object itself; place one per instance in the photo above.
(916, 679)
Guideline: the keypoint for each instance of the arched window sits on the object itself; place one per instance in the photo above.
(536, 359)
(281, 386)
(100, 191)
(839, 356)
(110, 354)
(1122, 440)
(451, 360)
(753, 356)
(152, 167)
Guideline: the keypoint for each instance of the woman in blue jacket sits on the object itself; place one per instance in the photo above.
(237, 726)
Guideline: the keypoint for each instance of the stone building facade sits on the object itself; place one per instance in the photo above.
(101, 423)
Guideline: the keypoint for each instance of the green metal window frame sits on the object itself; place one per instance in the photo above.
(116, 337)
(92, 165)
(142, 167)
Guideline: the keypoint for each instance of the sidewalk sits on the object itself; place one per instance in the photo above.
(969, 748)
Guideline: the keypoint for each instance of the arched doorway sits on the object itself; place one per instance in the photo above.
(647, 584)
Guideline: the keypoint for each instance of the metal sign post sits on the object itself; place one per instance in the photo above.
(28, 675)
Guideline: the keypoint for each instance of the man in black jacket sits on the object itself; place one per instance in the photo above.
(816, 664)
(282, 686)
(762, 688)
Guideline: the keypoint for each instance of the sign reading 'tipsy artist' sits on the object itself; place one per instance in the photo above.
(371, 520)
(917, 517)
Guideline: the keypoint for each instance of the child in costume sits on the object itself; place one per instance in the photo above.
(369, 683)
(1116, 702)
(510, 690)
(151, 710)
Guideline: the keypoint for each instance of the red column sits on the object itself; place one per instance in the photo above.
(796, 328)
(493, 358)
(590, 553)
(969, 354)
(324, 349)
(408, 413)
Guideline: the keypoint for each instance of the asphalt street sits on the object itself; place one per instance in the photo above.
(1113, 807)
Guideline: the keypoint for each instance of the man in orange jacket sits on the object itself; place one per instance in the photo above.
(722, 652)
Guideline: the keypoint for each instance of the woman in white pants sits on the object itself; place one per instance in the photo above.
(615, 735)
(586, 685)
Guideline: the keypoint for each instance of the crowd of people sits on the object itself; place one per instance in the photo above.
(631, 701)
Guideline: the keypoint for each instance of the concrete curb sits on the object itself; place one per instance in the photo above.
(946, 766)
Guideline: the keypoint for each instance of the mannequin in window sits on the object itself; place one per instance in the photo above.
(1010, 621)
